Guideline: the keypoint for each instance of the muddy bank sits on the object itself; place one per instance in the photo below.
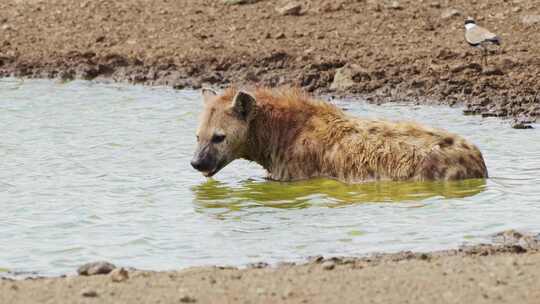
(385, 51)
(505, 272)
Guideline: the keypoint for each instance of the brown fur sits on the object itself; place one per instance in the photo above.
(294, 137)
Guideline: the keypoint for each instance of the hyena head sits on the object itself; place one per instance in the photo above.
(223, 130)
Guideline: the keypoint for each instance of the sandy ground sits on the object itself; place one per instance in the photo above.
(507, 271)
(384, 50)
(497, 278)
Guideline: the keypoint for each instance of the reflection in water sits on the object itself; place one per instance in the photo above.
(325, 192)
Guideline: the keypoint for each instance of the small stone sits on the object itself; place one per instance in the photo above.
(258, 265)
(119, 275)
(292, 9)
(347, 77)
(395, 5)
(521, 126)
(450, 13)
(467, 66)
(187, 299)
(316, 259)
(89, 293)
(493, 72)
(94, 268)
(238, 2)
(7, 27)
(280, 36)
(328, 265)
(530, 19)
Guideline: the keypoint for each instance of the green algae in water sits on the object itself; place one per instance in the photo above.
(356, 233)
(325, 192)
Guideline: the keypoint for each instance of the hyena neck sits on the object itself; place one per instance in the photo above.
(272, 136)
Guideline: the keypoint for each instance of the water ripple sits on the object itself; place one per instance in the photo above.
(101, 171)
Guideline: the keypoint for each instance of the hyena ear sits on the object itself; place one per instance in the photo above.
(208, 94)
(243, 104)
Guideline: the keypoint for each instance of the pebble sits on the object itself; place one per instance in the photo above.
(258, 265)
(95, 268)
(316, 259)
(396, 5)
(530, 19)
(119, 275)
(89, 293)
(238, 2)
(521, 126)
(450, 13)
(493, 72)
(187, 299)
(280, 36)
(328, 265)
(292, 8)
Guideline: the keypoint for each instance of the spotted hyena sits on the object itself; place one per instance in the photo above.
(295, 137)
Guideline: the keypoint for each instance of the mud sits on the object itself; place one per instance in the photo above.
(384, 51)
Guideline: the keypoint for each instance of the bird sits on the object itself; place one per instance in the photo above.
(480, 37)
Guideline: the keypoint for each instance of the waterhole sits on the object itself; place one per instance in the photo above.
(101, 172)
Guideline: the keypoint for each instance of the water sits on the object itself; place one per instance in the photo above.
(101, 172)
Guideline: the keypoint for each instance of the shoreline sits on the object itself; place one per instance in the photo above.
(504, 272)
(418, 55)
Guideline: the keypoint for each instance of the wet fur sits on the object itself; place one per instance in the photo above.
(295, 137)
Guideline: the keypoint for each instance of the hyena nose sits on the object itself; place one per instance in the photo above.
(196, 164)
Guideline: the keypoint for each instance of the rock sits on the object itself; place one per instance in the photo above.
(280, 36)
(7, 27)
(258, 265)
(89, 293)
(395, 5)
(467, 66)
(119, 275)
(316, 259)
(328, 265)
(330, 6)
(450, 13)
(530, 19)
(347, 77)
(493, 72)
(187, 299)
(238, 2)
(95, 268)
(515, 238)
(522, 126)
(292, 8)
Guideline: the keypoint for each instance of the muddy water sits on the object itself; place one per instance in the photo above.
(101, 171)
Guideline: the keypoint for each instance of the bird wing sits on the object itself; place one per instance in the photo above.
(478, 35)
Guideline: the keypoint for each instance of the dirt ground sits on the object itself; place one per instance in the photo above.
(382, 50)
(480, 274)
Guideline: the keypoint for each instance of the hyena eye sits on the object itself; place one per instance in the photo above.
(217, 138)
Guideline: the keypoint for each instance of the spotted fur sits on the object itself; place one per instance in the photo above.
(295, 137)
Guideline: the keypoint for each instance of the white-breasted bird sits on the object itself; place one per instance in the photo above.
(480, 37)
